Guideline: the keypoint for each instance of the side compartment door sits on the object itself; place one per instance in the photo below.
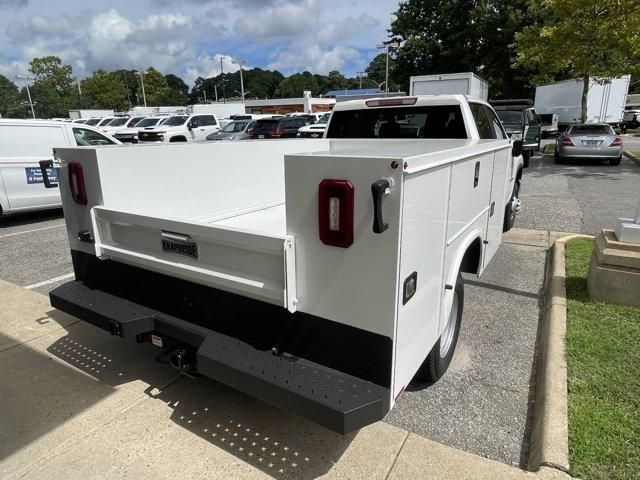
(495, 219)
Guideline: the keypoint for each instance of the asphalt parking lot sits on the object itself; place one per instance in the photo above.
(579, 196)
(484, 403)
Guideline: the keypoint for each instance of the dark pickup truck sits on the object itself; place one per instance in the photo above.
(521, 122)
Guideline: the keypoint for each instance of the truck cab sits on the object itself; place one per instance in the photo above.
(433, 117)
(181, 128)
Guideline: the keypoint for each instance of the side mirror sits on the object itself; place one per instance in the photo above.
(189, 126)
(516, 150)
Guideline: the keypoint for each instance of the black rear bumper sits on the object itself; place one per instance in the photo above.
(336, 400)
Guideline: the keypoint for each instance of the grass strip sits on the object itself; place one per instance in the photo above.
(603, 359)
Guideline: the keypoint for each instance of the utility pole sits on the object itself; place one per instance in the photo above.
(215, 89)
(26, 78)
(144, 97)
(360, 74)
(126, 83)
(241, 62)
(224, 95)
(388, 45)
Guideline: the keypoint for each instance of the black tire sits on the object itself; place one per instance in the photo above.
(556, 157)
(435, 366)
(615, 161)
(509, 212)
(177, 139)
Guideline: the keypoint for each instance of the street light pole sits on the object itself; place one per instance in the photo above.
(388, 45)
(241, 62)
(27, 78)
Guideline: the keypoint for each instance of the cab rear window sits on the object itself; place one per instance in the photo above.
(434, 121)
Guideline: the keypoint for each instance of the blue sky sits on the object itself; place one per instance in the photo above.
(188, 37)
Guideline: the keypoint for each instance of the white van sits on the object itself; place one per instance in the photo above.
(23, 144)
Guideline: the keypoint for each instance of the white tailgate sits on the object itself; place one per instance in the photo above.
(235, 260)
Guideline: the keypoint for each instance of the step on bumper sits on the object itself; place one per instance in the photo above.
(331, 398)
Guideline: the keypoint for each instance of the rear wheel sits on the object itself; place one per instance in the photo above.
(439, 359)
(556, 156)
(615, 161)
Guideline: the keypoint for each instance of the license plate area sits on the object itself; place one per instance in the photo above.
(592, 143)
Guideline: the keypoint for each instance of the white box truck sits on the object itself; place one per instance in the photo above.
(318, 275)
(450, 83)
(605, 102)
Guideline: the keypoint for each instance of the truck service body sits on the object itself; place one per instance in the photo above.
(316, 275)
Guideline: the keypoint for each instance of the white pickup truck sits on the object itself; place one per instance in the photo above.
(317, 275)
(180, 128)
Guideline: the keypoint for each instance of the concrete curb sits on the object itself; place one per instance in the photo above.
(550, 431)
(631, 157)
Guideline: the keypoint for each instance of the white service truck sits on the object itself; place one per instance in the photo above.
(318, 275)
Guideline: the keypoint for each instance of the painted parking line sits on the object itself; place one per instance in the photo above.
(31, 231)
(50, 281)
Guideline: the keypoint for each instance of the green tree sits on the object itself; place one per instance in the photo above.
(296, 84)
(333, 81)
(376, 71)
(53, 90)
(8, 94)
(582, 39)
(447, 36)
(156, 88)
(104, 90)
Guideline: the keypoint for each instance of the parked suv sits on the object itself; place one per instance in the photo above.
(181, 128)
(285, 127)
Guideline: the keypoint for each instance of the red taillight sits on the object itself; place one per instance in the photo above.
(567, 141)
(616, 142)
(335, 212)
(76, 183)
(275, 133)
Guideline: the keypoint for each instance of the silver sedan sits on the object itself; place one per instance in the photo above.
(593, 140)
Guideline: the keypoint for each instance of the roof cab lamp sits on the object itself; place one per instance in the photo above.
(390, 102)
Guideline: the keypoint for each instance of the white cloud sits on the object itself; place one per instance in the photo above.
(282, 20)
(209, 66)
(39, 26)
(290, 35)
(314, 58)
(338, 32)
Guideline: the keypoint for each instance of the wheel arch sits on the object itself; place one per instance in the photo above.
(178, 138)
(467, 259)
